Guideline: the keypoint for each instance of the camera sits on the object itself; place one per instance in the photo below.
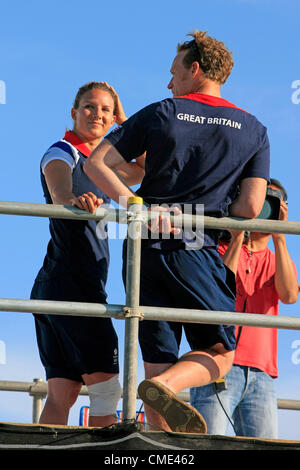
(271, 207)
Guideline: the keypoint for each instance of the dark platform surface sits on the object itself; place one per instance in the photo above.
(125, 437)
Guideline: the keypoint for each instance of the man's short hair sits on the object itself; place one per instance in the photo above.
(214, 58)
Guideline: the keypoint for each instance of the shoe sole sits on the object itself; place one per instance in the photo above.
(179, 415)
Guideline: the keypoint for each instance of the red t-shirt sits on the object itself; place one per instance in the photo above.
(256, 293)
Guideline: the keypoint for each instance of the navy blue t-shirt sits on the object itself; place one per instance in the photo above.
(198, 148)
(75, 245)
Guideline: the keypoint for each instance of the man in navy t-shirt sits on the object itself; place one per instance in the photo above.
(201, 151)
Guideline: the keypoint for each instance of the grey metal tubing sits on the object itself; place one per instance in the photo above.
(61, 212)
(121, 216)
(52, 307)
(132, 313)
(37, 387)
(37, 404)
(14, 386)
(284, 404)
(215, 317)
(251, 225)
(38, 390)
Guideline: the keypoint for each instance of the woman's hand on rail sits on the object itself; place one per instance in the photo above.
(88, 202)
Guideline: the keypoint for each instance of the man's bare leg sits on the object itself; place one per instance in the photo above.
(154, 420)
(194, 369)
(62, 394)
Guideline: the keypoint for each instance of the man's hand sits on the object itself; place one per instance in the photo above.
(286, 282)
(232, 254)
(283, 216)
(162, 223)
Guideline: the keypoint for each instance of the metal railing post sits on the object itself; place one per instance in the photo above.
(132, 308)
(37, 402)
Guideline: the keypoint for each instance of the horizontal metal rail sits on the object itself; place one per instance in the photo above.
(52, 307)
(38, 389)
(122, 216)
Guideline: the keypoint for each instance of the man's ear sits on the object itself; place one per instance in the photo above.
(195, 69)
(73, 113)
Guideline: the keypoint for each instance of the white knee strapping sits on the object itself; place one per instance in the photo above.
(104, 397)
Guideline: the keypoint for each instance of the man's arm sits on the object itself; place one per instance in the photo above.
(251, 198)
(101, 168)
(286, 283)
(133, 172)
(232, 254)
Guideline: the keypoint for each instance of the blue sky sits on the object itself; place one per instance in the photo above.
(49, 49)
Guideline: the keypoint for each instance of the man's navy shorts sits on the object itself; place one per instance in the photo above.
(70, 346)
(189, 279)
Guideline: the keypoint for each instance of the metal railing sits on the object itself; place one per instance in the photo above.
(38, 390)
(132, 312)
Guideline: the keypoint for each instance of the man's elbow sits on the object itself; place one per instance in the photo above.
(252, 209)
(289, 298)
(246, 208)
(251, 198)
(140, 175)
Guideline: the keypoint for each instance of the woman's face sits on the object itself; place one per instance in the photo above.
(94, 116)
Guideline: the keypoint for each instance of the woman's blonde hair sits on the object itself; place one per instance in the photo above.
(90, 86)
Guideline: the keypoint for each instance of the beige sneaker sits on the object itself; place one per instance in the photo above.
(179, 415)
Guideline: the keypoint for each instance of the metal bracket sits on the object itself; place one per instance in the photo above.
(38, 389)
(134, 217)
(130, 312)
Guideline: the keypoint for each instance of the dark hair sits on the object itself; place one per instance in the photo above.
(90, 86)
(277, 183)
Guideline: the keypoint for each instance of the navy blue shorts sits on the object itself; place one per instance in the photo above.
(189, 279)
(70, 346)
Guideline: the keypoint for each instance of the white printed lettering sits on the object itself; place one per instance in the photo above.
(211, 120)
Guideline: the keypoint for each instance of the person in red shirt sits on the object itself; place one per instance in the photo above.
(262, 279)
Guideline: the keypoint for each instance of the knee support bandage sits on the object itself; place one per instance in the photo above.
(104, 397)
